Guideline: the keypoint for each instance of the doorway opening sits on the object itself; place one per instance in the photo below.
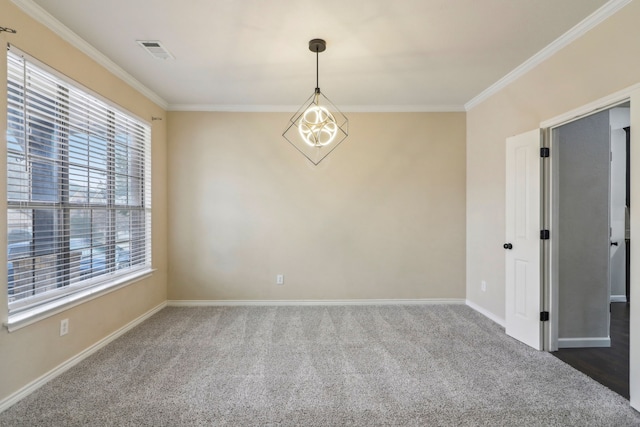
(589, 197)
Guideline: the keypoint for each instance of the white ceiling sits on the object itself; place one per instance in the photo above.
(393, 55)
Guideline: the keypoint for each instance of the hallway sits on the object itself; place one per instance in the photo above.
(608, 366)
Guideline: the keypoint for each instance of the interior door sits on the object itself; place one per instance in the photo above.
(522, 247)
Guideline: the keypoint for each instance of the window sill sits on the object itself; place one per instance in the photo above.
(28, 317)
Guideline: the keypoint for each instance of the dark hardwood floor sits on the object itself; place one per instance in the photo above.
(608, 366)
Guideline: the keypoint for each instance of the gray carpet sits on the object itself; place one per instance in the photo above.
(326, 366)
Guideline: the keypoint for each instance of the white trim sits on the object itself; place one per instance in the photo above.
(618, 298)
(499, 320)
(603, 103)
(452, 108)
(39, 14)
(294, 108)
(604, 12)
(66, 365)
(584, 342)
(234, 108)
(41, 312)
(326, 302)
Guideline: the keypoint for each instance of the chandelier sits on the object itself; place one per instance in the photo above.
(318, 127)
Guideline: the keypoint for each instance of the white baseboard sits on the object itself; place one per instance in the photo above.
(584, 342)
(219, 303)
(66, 365)
(618, 298)
(500, 321)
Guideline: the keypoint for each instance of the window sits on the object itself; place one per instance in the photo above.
(78, 189)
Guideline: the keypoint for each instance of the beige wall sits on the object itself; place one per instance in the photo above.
(603, 61)
(34, 350)
(381, 217)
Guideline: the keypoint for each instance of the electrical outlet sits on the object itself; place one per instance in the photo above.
(280, 279)
(64, 327)
(483, 286)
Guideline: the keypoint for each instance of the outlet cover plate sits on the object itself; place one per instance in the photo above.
(64, 327)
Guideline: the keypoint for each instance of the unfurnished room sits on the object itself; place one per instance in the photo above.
(258, 213)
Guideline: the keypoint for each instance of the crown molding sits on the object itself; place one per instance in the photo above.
(42, 16)
(39, 14)
(567, 38)
(294, 108)
(232, 108)
(403, 108)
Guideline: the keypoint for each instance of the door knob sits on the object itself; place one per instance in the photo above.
(614, 243)
(507, 246)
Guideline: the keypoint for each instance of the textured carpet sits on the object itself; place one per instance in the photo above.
(327, 366)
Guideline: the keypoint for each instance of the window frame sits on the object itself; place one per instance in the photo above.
(22, 311)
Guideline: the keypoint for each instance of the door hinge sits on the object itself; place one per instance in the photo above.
(544, 234)
(544, 316)
(544, 152)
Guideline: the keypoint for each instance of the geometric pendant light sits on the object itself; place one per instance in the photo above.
(318, 127)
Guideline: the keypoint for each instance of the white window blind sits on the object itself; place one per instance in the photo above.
(78, 188)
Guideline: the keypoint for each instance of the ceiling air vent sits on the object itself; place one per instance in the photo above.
(155, 49)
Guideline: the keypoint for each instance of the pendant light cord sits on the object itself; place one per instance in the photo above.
(317, 72)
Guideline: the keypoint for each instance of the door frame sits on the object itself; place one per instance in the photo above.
(550, 208)
(549, 276)
(631, 94)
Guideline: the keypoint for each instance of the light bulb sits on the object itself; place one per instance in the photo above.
(317, 126)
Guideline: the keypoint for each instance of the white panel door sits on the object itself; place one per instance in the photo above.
(522, 245)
